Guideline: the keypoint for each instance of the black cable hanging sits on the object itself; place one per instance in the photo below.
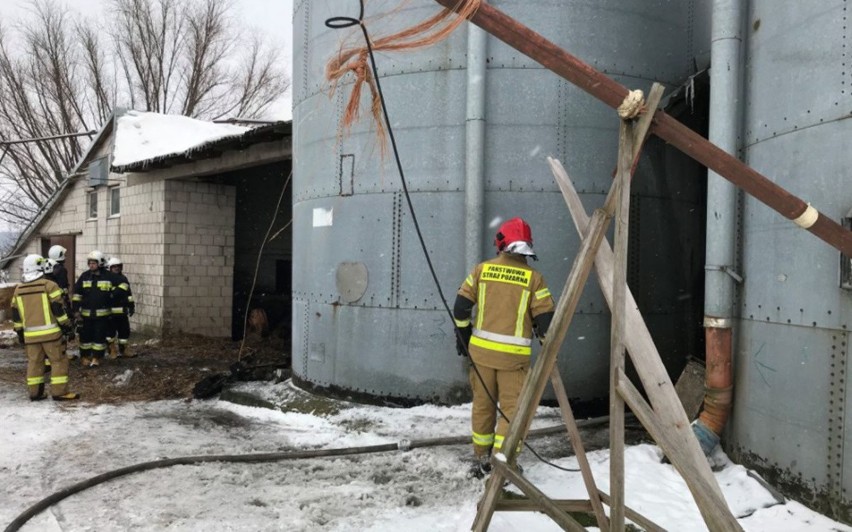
(342, 22)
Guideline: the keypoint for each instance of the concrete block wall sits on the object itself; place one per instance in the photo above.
(198, 257)
(135, 235)
(141, 225)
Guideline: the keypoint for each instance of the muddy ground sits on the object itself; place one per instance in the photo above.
(167, 368)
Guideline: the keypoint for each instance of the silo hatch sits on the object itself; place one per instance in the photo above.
(351, 280)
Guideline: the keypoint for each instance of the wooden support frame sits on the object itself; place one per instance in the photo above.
(592, 237)
(667, 421)
(663, 417)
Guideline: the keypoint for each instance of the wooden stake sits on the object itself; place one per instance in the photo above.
(545, 504)
(579, 449)
(616, 359)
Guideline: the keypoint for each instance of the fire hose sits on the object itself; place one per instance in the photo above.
(402, 445)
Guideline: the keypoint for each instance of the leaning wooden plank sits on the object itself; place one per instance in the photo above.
(643, 124)
(690, 388)
(529, 505)
(612, 93)
(545, 504)
(635, 516)
(654, 378)
(616, 358)
(676, 453)
(579, 449)
(577, 505)
(537, 379)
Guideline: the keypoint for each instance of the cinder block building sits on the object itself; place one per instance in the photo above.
(188, 224)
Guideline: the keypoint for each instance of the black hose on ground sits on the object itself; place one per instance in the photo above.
(403, 445)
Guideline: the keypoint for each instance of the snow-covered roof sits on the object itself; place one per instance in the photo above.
(140, 136)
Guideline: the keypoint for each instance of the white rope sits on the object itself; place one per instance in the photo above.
(807, 218)
(632, 105)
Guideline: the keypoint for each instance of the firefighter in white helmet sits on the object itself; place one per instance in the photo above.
(55, 271)
(56, 254)
(39, 318)
(92, 300)
(512, 302)
(123, 307)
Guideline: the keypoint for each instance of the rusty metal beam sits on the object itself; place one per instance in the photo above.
(612, 93)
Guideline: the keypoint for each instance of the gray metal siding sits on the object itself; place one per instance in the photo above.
(397, 339)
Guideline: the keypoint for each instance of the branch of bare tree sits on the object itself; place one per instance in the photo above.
(58, 75)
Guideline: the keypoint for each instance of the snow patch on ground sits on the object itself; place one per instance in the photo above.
(47, 446)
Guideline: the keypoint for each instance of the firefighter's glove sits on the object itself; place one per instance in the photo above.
(463, 340)
(131, 310)
(20, 336)
(68, 331)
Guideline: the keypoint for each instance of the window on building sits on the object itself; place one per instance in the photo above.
(114, 201)
(98, 172)
(93, 204)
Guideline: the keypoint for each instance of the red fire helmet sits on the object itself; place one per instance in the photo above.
(514, 230)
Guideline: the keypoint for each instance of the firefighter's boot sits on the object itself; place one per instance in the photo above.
(480, 466)
(70, 396)
(113, 350)
(125, 351)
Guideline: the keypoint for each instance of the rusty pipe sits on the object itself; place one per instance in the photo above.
(612, 93)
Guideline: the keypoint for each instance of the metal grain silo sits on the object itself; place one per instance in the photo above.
(367, 318)
(791, 408)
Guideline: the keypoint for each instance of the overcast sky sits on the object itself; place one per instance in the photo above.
(273, 17)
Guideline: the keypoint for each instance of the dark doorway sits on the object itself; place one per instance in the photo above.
(259, 190)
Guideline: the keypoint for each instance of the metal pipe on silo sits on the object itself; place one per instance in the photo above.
(474, 194)
(720, 276)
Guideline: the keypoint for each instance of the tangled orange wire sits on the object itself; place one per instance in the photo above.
(355, 60)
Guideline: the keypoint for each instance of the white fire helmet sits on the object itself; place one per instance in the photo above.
(57, 253)
(114, 261)
(96, 256)
(48, 265)
(32, 268)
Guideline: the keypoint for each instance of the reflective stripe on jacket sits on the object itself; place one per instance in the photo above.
(122, 296)
(508, 294)
(31, 304)
(93, 294)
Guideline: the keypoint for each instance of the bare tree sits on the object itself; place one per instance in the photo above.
(58, 75)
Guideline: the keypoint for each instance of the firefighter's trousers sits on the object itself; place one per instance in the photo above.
(119, 328)
(36, 354)
(93, 337)
(505, 387)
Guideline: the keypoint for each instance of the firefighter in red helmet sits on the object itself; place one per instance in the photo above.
(512, 303)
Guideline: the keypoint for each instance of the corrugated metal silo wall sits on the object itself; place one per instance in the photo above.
(791, 413)
(353, 232)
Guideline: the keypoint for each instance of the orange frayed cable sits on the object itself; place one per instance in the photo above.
(354, 60)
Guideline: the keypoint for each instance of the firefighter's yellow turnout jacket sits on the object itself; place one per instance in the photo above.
(38, 316)
(38, 311)
(509, 295)
(511, 299)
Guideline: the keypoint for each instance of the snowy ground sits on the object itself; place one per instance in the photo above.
(46, 446)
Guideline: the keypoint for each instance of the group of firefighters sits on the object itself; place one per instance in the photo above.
(512, 304)
(45, 319)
